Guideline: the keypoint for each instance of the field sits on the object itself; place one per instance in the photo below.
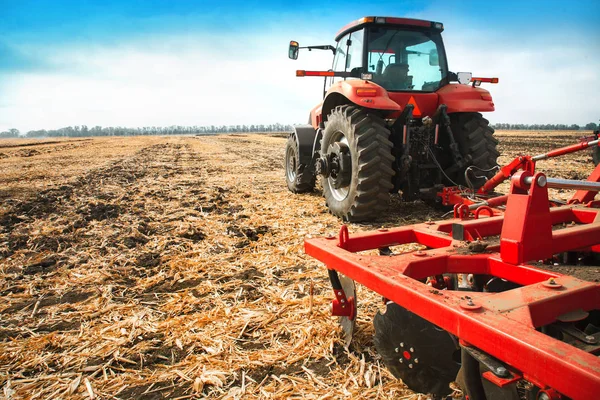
(173, 267)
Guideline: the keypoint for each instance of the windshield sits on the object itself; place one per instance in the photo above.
(402, 59)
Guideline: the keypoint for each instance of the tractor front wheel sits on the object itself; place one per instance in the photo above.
(298, 180)
(359, 158)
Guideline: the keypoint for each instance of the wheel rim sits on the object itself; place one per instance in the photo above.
(291, 164)
(339, 193)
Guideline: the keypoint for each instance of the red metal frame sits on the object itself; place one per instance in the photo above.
(524, 163)
(465, 206)
(501, 324)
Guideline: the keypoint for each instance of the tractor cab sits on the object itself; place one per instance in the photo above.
(396, 55)
(406, 57)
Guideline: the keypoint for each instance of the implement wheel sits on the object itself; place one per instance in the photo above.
(298, 181)
(358, 151)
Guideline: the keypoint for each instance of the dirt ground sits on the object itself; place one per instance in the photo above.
(173, 267)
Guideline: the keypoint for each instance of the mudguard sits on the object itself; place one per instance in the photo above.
(305, 137)
(349, 91)
(465, 98)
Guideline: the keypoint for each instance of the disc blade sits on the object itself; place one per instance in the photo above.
(348, 324)
(416, 351)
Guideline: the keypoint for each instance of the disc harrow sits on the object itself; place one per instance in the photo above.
(476, 308)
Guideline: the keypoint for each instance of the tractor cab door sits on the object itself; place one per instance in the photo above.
(348, 57)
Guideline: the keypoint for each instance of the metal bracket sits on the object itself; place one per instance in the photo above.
(459, 160)
(341, 306)
(491, 363)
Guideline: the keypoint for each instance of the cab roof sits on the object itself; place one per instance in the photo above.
(354, 25)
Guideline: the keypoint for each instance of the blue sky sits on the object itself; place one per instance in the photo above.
(140, 63)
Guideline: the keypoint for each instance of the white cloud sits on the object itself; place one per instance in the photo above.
(553, 82)
(165, 81)
(228, 80)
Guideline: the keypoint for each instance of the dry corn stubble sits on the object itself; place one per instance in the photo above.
(173, 267)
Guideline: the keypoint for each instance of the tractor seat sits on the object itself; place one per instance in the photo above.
(396, 77)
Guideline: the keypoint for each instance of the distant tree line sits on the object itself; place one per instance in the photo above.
(84, 131)
(546, 127)
(11, 133)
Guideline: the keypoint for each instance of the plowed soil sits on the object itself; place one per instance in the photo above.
(173, 267)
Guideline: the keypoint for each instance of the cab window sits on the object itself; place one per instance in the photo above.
(354, 60)
(405, 59)
(349, 56)
(339, 61)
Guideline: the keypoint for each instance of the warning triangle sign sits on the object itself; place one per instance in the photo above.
(416, 110)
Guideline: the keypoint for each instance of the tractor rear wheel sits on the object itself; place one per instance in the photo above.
(295, 176)
(359, 158)
(476, 141)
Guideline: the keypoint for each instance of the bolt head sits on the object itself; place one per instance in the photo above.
(590, 338)
(410, 365)
(552, 284)
(542, 181)
(396, 349)
(543, 396)
(401, 344)
(416, 360)
(401, 361)
(412, 350)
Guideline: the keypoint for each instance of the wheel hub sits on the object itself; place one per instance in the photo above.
(339, 164)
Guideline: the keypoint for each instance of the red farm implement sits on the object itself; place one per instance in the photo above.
(468, 202)
(481, 303)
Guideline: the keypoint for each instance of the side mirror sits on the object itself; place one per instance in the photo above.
(293, 51)
(434, 58)
(464, 78)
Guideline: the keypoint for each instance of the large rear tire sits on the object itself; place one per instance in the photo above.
(359, 190)
(475, 140)
(295, 175)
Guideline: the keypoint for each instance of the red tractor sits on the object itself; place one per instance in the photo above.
(393, 119)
